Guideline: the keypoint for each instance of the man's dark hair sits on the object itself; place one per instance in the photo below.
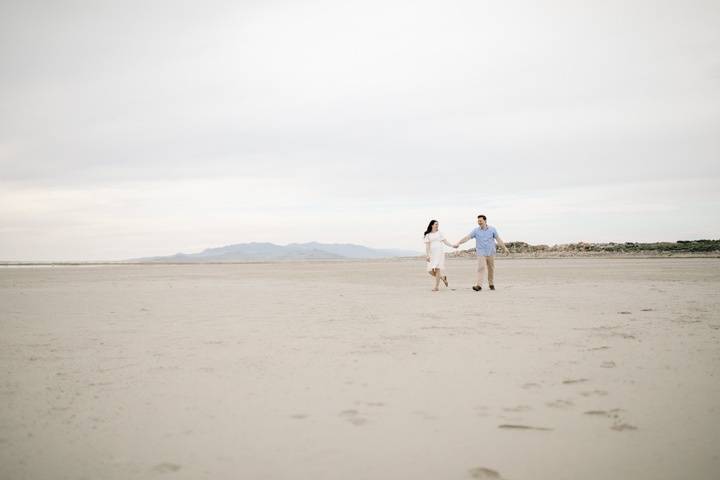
(483, 217)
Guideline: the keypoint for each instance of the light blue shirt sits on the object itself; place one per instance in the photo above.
(484, 240)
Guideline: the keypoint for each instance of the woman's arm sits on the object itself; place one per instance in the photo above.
(427, 251)
(461, 241)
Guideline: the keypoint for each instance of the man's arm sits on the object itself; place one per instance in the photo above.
(502, 244)
(462, 240)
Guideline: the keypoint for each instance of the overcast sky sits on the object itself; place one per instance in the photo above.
(137, 128)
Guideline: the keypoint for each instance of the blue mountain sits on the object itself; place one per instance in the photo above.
(261, 251)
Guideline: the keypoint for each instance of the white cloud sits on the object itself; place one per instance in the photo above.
(138, 128)
(163, 217)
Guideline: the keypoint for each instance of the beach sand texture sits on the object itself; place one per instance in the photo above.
(572, 369)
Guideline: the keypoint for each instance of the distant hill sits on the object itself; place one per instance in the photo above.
(248, 252)
(681, 247)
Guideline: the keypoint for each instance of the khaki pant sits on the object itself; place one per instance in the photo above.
(482, 262)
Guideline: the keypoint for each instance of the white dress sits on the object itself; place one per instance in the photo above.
(437, 250)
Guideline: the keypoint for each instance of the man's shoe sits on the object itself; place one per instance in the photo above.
(477, 288)
(492, 287)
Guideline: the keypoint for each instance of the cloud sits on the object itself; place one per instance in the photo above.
(369, 107)
(163, 217)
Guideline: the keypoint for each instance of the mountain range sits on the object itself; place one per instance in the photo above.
(254, 251)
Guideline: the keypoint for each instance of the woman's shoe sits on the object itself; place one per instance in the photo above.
(477, 288)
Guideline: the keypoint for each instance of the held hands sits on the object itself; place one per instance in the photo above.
(456, 245)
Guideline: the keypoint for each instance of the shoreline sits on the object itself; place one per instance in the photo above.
(450, 256)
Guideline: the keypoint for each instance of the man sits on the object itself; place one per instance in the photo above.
(485, 237)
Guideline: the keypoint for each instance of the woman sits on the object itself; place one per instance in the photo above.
(435, 253)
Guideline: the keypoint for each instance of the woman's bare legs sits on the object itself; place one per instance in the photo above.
(438, 276)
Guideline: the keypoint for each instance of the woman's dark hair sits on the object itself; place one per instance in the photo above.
(429, 229)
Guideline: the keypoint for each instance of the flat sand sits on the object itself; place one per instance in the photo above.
(571, 369)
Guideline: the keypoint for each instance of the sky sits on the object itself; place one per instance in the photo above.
(135, 128)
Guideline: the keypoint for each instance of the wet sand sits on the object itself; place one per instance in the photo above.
(572, 369)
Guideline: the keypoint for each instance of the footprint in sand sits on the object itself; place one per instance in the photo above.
(510, 426)
(614, 413)
(352, 417)
(528, 386)
(298, 416)
(519, 408)
(594, 393)
(572, 381)
(601, 413)
(560, 404)
(484, 473)
(609, 364)
(604, 347)
(166, 467)
(624, 313)
(618, 425)
(623, 426)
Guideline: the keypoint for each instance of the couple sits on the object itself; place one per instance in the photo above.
(485, 237)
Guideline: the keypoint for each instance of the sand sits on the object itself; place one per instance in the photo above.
(572, 369)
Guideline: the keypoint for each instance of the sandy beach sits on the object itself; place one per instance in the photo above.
(572, 369)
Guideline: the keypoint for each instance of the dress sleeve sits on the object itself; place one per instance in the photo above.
(426, 239)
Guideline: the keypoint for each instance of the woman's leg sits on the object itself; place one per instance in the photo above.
(438, 276)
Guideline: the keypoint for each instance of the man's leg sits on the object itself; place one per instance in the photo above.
(480, 270)
(491, 271)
